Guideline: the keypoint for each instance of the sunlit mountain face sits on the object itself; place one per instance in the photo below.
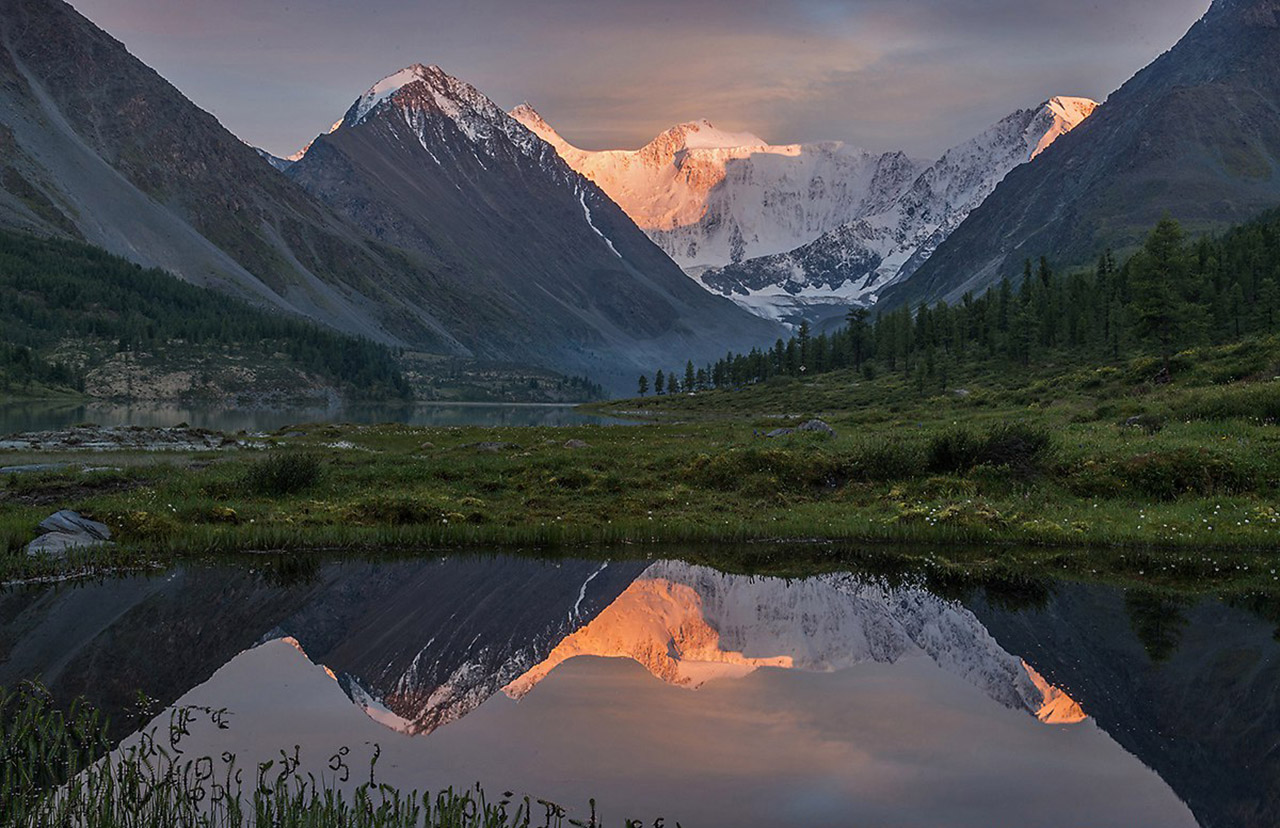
(804, 230)
(689, 625)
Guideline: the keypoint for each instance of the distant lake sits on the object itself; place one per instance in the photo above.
(664, 689)
(40, 416)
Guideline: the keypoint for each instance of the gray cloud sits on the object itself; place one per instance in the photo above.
(914, 74)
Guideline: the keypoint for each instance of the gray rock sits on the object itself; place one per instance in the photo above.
(962, 392)
(576, 444)
(67, 530)
(780, 432)
(68, 522)
(58, 544)
(819, 427)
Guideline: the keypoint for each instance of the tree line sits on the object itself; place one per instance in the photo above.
(54, 291)
(1171, 294)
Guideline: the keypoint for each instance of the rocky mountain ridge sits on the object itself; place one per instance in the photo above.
(428, 164)
(854, 263)
(1192, 136)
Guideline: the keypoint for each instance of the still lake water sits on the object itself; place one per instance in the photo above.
(41, 416)
(669, 690)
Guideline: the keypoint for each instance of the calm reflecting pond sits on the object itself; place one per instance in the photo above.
(40, 416)
(665, 689)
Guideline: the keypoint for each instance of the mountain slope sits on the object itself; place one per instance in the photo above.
(427, 163)
(422, 644)
(1195, 135)
(709, 197)
(95, 145)
(1205, 718)
(853, 263)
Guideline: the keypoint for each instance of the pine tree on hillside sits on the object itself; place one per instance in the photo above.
(1163, 313)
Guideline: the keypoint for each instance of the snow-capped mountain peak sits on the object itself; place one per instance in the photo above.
(709, 196)
(702, 134)
(851, 263)
(1068, 113)
(390, 85)
(420, 93)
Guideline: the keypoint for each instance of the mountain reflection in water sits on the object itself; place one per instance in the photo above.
(823, 701)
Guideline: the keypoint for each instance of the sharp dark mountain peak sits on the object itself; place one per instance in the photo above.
(428, 163)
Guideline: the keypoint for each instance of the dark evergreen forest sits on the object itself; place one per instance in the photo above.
(55, 291)
(1173, 293)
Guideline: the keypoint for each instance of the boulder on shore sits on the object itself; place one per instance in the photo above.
(66, 530)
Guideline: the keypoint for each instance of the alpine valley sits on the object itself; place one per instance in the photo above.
(384, 229)
(454, 472)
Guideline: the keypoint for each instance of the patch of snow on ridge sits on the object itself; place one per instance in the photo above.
(300, 154)
(376, 710)
(386, 88)
(586, 211)
(576, 612)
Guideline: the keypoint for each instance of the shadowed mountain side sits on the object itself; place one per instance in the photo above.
(546, 265)
(429, 639)
(420, 645)
(1206, 718)
(95, 145)
(1195, 135)
(161, 635)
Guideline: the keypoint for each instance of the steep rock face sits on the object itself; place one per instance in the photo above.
(710, 197)
(97, 146)
(545, 264)
(1195, 135)
(853, 263)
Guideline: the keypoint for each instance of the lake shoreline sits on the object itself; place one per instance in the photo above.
(704, 486)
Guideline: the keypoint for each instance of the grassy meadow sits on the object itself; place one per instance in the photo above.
(1077, 470)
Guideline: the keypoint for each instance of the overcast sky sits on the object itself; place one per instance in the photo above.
(919, 75)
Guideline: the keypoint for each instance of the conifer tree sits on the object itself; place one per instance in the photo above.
(1163, 314)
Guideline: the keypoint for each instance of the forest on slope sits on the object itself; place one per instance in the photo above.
(75, 318)
(1174, 293)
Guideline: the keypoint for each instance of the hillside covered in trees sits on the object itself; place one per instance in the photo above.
(75, 318)
(1172, 294)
